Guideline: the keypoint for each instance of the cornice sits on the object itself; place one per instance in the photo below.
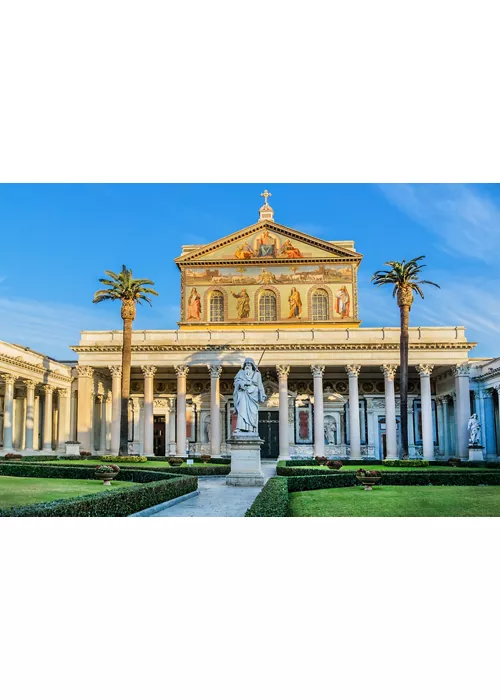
(38, 369)
(271, 346)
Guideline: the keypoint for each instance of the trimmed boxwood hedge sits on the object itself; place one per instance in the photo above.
(272, 501)
(193, 469)
(156, 487)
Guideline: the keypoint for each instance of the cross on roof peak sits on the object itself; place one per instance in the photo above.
(266, 195)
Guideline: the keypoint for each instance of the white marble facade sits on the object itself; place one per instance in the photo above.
(181, 393)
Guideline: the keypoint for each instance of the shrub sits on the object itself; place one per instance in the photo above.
(334, 464)
(175, 461)
(155, 488)
(12, 455)
(44, 458)
(193, 469)
(272, 501)
(406, 462)
(85, 453)
(125, 459)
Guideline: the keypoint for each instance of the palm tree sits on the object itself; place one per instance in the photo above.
(129, 291)
(404, 276)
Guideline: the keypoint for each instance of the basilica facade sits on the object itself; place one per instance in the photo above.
(289, 301)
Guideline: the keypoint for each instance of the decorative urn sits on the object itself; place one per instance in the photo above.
(368, 477)
(107, 472)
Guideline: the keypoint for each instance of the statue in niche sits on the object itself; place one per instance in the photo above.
(330, 430)
(248, 393)
(474, 427)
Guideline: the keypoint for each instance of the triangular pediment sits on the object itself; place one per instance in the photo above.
(266, 241)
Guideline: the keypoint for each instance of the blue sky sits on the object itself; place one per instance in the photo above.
(56, 240)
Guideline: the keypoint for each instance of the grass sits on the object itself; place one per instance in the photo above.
(397, 501)
(20, 491)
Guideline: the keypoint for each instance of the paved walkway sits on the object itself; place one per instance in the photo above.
(216, 500)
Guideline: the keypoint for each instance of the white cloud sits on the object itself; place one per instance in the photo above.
(466, 219)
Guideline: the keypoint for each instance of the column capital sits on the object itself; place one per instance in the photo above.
(9, 379)
(487, 393)
(353, 370)
(389, 371)
(424, 370)
(30, 383)
(116, 370)
(48, 389)
(443, 399)
(85, 371)
(317, 370)
(109, 397)
(99, 398)
(215, 371)
(181, 370)
(283, 371)
(63, 393)
(462, 370)
(148, 371)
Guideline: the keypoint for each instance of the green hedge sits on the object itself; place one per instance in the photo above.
(272, 501)
(124, 459)
(406, 462)
(416, 478)
(312, 462)
(156, 487)
(208, 470)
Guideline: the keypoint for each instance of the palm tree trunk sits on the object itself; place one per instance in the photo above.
(126, 362)
(403, 377)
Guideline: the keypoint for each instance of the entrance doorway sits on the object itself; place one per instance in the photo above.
(159, 435)
(269, 432)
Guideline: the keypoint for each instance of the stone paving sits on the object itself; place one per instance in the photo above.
(216, 500)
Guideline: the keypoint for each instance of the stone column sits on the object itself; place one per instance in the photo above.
(47, 417)
(425, 372)
(64, 419)
(30, 413)
(489, 424)
(319, 413)
(73, 412)
(9, 380)
(116, 407)
(171, 427)
(354, 428)
(411, 426)
(446, 428)
(215, 430)
(182, 372)
(85, 387)
(109, 404)
(462, 411)
(391, 436)
(284, 439)
(149, 373)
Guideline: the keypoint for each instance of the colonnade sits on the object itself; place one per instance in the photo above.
(55, 431)
(461, 399)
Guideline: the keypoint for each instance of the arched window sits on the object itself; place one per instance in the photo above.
(320, 305)
(216, 307)
(267, 306)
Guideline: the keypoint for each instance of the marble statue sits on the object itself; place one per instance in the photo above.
(248, 393)
(474, 427)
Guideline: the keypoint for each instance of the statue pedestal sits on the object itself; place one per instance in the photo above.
(245, 461)
(476, 453)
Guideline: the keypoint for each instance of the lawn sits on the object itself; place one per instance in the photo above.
(397, 501)
(20, 491)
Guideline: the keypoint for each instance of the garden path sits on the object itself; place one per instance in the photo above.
(217, 500)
